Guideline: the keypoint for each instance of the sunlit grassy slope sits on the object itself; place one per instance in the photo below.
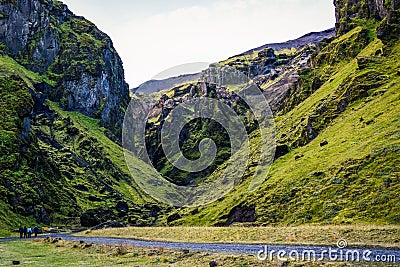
(91, 127)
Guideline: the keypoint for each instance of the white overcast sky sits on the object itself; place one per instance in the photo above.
(154, 35)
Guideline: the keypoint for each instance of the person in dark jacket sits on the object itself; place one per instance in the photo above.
(36, 231)
(21, 231)
(25, 232)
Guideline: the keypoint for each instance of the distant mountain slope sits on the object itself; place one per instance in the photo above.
(154, 86)
(307, 39)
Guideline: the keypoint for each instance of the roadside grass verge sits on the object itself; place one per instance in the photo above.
(62, 253)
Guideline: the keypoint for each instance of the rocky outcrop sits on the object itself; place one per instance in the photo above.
(97, 216)
(379, 10)
(276, 72)
(283, 79)
(72, 55)
(29, 33)
(242, 214)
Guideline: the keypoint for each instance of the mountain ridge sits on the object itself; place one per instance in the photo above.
(306, 39)
(152, 86)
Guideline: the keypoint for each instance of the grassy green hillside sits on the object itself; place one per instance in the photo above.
(354, 178)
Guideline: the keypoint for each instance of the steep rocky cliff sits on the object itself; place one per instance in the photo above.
(62, 101)
(349, 12)
(79, 63)
(366, 9)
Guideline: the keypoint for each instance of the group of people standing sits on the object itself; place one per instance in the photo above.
(25, 232)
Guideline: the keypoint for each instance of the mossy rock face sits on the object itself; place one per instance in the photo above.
(310, 80)
(365, 9)
(347, 10)
(389, 30)
(15, 107)
(82, 42)
(352, 89)
(345, 47)
(72, 55)
(193, 132)
(97, 216)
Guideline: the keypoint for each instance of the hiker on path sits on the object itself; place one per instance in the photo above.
(29, 231)
(25, 232)
(21, 231)
(36, 231)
